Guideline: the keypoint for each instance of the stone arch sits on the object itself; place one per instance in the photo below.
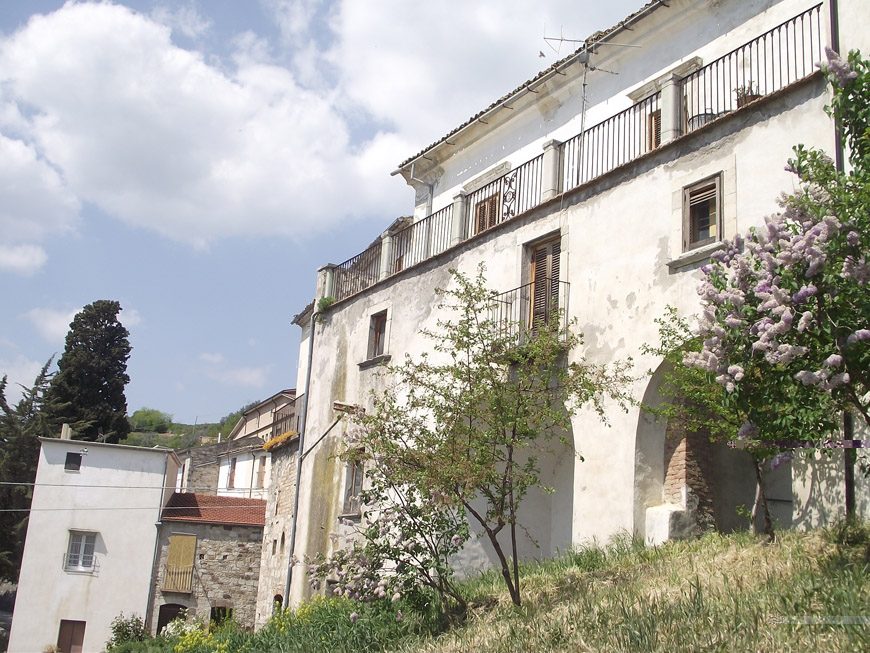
(168, 612)
(683, 482)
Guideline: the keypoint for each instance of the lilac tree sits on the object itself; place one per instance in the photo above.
(785, 328)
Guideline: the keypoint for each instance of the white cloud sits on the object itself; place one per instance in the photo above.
(217, 370)
(22, 259)
(97, 104)
(19, 372)
(51, 324)
(130, 317)
(186, 20)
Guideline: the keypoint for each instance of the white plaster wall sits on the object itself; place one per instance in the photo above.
(617, 238)
(245, 479)
(118, 494)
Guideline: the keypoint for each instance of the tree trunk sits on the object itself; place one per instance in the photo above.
(849, 462)
(761, 500)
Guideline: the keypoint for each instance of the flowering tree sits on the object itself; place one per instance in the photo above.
(462, 432)
(785, 329)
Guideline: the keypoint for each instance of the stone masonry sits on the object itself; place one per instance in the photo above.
(226, 571)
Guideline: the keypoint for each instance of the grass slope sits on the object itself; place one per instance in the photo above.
(806, 592)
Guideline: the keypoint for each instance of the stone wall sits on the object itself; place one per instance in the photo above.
(226, 571)
(276, 535)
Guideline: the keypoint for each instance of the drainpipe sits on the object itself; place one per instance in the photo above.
(431, 188)
(299, 450)
(839, 158)
(152, 586)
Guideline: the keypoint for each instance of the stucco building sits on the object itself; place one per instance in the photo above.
(602, 185)
(91, 541)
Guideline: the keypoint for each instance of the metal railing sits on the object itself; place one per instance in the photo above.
(178, 578)
(283, 421)
(422, 240)
(777, 58)
(518, 311)
(504, 198)
(358, 273)
(612, 143)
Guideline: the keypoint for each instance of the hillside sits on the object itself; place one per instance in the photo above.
(805, 592)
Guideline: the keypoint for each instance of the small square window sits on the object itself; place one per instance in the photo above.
(73, 462)
(702, 213)
(377, 335)
(80, 551)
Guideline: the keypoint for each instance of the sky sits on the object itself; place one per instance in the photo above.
(198, 160)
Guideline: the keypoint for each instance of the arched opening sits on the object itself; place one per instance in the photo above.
(168, 612)
(683, 482)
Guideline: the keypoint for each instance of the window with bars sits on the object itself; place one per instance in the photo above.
(80, 551)
(545, 282)
(702, 213)
(486, 213)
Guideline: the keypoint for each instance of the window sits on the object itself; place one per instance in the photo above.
(701, 213)
(73, 462)
(353, 488)
(80, 552)
(220, 614)
(654, 129)
(179, 563)
(545, 282)
(377, 334)
(261, 471)
(486, 213)
(231, 480)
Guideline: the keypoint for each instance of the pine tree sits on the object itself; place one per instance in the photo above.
(20, 426)
(88, 390)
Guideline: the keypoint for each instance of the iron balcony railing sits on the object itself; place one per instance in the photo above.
(612, 143)
(422, 240)
(178, 578)
(777, 58)
(504, 198)
(523, 309)
(358, 273)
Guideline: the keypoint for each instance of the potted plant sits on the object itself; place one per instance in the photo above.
(746, 94)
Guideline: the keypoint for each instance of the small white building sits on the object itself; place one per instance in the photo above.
(91, 542)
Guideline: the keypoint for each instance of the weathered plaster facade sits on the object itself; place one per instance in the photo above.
(275, 553)
(621, 237)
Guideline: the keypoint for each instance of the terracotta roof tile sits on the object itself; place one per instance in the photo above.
(208, 508)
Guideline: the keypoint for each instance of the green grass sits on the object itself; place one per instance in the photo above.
(719, 593)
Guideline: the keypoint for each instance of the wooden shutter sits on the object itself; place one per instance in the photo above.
(654, 129)
(486, 214)
(179, 563)
(545, 281)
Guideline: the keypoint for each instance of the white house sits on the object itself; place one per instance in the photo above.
(603, 183)
(91, 542)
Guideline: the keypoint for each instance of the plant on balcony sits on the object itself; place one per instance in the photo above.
(464, 429)
(746, 93)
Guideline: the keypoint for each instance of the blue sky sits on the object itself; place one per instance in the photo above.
(199, 160)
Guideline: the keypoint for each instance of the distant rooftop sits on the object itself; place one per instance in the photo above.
(212, 509)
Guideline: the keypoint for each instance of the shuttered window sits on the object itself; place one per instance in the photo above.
(486, 214)
(654, 129)
(179, 563)
(353, 488)
(701, 213)
(545, 281)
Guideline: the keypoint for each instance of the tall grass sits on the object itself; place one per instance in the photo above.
(806, 592)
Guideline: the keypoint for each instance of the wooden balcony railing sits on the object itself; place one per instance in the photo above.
(178, 578)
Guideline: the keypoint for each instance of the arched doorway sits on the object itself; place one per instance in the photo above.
(168, 612)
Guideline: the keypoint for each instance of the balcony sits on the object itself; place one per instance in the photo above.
(178, 578)
(520, 311)
(767, 64)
